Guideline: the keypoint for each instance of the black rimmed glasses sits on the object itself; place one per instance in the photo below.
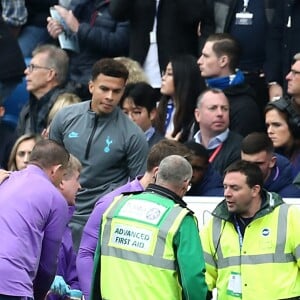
(32, 67)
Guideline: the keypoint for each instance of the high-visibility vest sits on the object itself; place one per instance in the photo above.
(137, 256)
(267, 259)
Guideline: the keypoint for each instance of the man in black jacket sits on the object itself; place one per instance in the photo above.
(218, 65)
(248, 23)
(98, 34)
(283, 43)
(212, 115)
(45, 76)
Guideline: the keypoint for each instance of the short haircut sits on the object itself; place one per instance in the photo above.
(142, 94)
(197, 149)
(163, 149)
(254, 175)
(212, 90)
(57, 59)
(73, 165)
(226, 44)
(47, 153)
(12, 165)
(109, 67)
(256, 142)
(174, 170)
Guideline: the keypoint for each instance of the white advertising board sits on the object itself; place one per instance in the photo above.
(203, 206)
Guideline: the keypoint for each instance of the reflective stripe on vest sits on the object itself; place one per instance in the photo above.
(157, 259)
(278, 257)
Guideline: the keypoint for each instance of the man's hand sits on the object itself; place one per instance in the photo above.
(3, 175)
(54, 27)
(176, 138)
(275, 90)
(68, 17)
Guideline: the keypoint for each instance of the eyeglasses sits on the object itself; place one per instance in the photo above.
(294, 72)
(31, 67)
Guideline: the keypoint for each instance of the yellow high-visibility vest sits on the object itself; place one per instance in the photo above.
(267, 261)
(137, 256)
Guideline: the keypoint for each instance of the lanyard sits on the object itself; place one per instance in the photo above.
(246, 2)
(215, 153)
(238, 229)
(170, 108)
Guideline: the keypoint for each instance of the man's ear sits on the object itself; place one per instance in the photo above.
(91, 86)
(223, 61)
(55, 168)
(51, 75)
(256, 190)
(272, 162)
(53, 171)
(154, 172)
(2, 111)
(197, 114)
(61, 185)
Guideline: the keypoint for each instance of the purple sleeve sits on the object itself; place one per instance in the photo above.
(71, 276)
(87, 248)
(67, 261)
(90, 234)
(51, 242)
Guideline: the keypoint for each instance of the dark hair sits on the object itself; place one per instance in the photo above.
(109, 67)
(256, 142)
(163, 149)
(290, 115)
(226, 44)
(47, 153)
(188, 84)
(197, 149)
(142, 94)
(254, 175)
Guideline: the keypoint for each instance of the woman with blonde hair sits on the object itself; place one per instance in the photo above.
(19, 155)
(62, 100)
(136, 72)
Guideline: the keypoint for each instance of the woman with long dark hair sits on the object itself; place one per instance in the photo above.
(283, 128)
(181, 85)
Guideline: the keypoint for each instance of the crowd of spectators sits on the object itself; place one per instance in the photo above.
(212, 82)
